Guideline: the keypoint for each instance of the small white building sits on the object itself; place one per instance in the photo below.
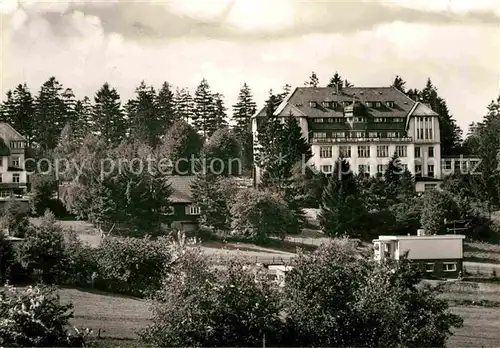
(441, 255)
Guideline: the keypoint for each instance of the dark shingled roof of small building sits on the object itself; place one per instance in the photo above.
(181, 189)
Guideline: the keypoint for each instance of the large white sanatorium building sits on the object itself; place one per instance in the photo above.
(366, 126)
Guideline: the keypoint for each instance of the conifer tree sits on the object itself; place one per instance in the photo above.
(82, 125)
(107, 117)
(399, 83)
(165, 106)
(50, 114)
(18, 111)
(183, 105)
(313, 81)
(243, 110)
(220, 113)
(450, 132)
(204, 113)
(336, 81)
(341, 209)
(143, 116)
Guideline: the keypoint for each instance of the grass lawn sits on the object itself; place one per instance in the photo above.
(482, 252)
(120, 317)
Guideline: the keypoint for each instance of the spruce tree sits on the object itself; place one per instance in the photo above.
(450, 132)
(143, 116)
(183, 105)
(107, 117)
(341, 208)
(243, 110)
(165, 106)
(18, 111)
(220, 113)
(295, 147)
(82, 125)
(399, 83)
(204, 113)
(313, 81)
(50, 114)
(336, 81)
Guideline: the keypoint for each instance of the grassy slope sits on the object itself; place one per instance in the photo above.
(120, 317)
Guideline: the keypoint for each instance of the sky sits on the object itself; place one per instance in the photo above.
(265, 43)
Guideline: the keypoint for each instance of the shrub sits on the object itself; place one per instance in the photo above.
(81, 261)
(258, 215)
(199, 306)
(14, 218)
(334, 297)
(7, 257)
(44, 249)
(133, 266)
(35, 317)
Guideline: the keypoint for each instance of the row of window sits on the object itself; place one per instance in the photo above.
(358, 119)
(447, 267)
(365, 168)
(321, 135)
(16, 144)
(16, 162)
(190, 210)
(382, 151)
(15, 178)
(423, 126)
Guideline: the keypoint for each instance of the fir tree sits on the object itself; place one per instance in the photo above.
(313, 81)
(183, 105)
(82, 124)
(50, 114)
(243, 110)
(336, 81)
(18, 111)
(220, 113)
(204, 113)
(295, 147)
(341, 209)
(143, 116)
(107, 116)
(399, 83)
(165, 106)
(450, 132)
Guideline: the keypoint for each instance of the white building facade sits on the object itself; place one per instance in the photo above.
(438, 255)
(13, 175)
(367, 126)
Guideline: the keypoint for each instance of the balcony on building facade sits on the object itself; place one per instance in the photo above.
(340, 140)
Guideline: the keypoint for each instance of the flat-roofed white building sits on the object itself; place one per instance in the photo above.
(441, 255)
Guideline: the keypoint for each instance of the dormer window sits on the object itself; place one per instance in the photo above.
(325, 104)
(334, 105)
(369, 104)
(390, 104)
(318, 120)
(312, 104)
(378, 104)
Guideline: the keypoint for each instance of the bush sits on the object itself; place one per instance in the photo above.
(336, 298)
(81, 261)
(44, 250)
(34, 317)
(7, 257)
(199, 306)
(258, 215)
(14, 218)
(133, 266)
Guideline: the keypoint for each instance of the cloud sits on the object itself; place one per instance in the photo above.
(258, 19)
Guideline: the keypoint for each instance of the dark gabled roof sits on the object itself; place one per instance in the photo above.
(181, 189)
(301, 97)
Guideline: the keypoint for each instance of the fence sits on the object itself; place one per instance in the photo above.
(267, 260)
